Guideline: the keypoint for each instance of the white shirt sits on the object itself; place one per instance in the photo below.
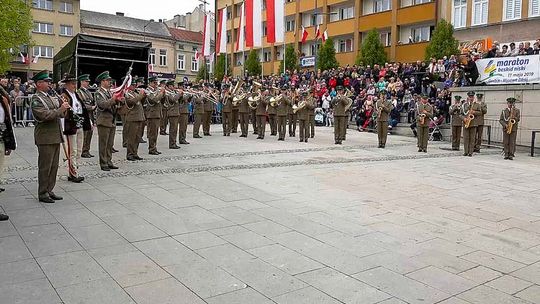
(77, 106)
(2, 115)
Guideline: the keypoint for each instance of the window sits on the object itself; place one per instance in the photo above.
(344, 45)
(459, 19)
(381, 6)
(238, 10)
(162, 57)
(66, 7)
(265, 29)
(416, 2)
(314, 49)
(386, 38)
(42, 4)
(180, 46)
(181, 64)
(534, 8)
(289, 25)
(267, 56)
(342, 14)
(480, 12)
(152, 56)
(228, 36)
(512, 10)
(229, 13)
(66, 30)
(315, 19)
(194, 64)
(44, 28)
(420, 34)
(43, 51)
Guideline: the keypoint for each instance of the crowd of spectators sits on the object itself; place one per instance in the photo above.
(509, 50)
(19, 92)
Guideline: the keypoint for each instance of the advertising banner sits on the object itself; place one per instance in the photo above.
(308, 61)
(509, 70)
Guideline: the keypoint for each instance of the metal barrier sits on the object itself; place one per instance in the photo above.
(21, 111)
(533, 139)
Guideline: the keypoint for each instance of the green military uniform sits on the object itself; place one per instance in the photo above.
(164, 110)
(207, 117)
(455, 112)
(234, 119)
(469, 134)
(134, 119)
(511, 113)
(282, 110)
(384, 107)
(480, 122)
(272, 118)
(260, 113)
(87, 100)
(311, 119)
(226, 111)
(153, 115)
(243, 113)
(106, 114)
(292, 117)
(122, 111)
(47, 137)
(198, 113)
(424, 110)
(340, 117)
(173, 115)
(183, 121)
(303, 117)
(253, 118)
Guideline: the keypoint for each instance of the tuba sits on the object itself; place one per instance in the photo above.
(511, 120)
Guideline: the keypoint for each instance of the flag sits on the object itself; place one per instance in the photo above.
(35, 60)
(253, 23)
(325, 35)
(150, 68)
(23, 58)
(304, 34)
(275, 21)
(240, 38)
(317, 32)
(212, 62)
(197, 54)
(221, 43)
(206, 39)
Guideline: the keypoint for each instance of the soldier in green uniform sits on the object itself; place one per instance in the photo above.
(173, 112)
(183, 122)
(134, 119)
(340, 115)
(122, 111)
(153, 113)
(243, 113)
(509, 120)
(423, 115)
(272, 115)
(226, 110)
(208, 111)
(303, 116)
(47, 136)
(260, 112)
(198, 113)
(234, 118)
(87, 99)
(383, 107)
(469, 108)
(480, 122)
(311, 119)
(106, 114)
(282, 110)
(292, 116)
(164, 110)
(140, 84)
(455, 112)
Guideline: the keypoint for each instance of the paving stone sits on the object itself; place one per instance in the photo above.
(7, 229)
(509, 284)
(32, 292)
(400, 286)
(76, 217)
(530, 273)
(107, 208)
(165, 251)
(94, 292)
(350, 244)
(285, 259)
(248, 240)
(480, 274)
(225, 254)
(454, 300)
(445, 246)
(445, 261)
(342, 287)
(48, 240)
(232, 229)
(168, 291)
(13, 249)
(266, 228)
(448, 282)
(199, 240)
(484, 294)
(133, 228)
(393, 261)
(306, 295)
(31, 217)
(531, 294)
(97, 236)
(71, 268)
(492, 261)
(392, 301)
(20, 272)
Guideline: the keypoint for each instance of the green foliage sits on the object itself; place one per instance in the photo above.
(443, 43)
(326, 58)
(219, 71)
(372, 51)
(203, 71)
(291, 59)
(15, 25)
(253, 64)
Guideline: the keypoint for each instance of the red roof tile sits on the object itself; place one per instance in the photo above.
(184, 35)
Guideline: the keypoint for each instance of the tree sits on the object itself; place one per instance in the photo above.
(253, 64)
(291, 59)
(372, 51)
(443, 43)
(15, 25)
(326, 58)
(203, 71)
(220, 67)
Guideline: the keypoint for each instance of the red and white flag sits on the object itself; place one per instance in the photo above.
(317, 32)
(325, 35)
(23, 58)
(304, 34)
(275, 21)
(240, 39)
(35, 60)
(150, 68)
(197, 54)
(206, 39)
(221, 43)
(253, 23)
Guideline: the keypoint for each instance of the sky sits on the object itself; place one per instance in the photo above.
(154, 9)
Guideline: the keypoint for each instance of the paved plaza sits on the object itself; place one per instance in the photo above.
(228, 220)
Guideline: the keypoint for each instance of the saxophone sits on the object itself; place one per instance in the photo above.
(469, 117)
(511, 120)
(422, 116)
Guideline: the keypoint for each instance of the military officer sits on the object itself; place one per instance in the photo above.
(384, 107)
(243, 113)
(183, 121)
(208, 111)
(173, 113)
(480, 122)
(423, 115)
(134, 99)
(272, 116)
(122, 111)
(226, 110)
(253, 118)
(340, 103)
(47, 136)
(142, 86)
(153, 113)
(292, 116)
(455, 112)
(198, 113)
(106, 113)
(509, 119)
(260, 112)
(303, 116)
(234, 118)
(164, 110)
(282, 110)
(85, 96)
(311, 119)
(469, 110)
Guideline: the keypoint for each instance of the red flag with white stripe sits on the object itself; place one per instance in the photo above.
(221, 43)
(325, 35)
(253, 23)
(304, 34)
(317, 32)
(240, 39)
(206, 39)
(275, 21)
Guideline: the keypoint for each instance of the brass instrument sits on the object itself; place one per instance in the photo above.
(237, 87)
(238, 98)
(253, 101)
(276, 101)
(469, 117)
(422, 118)
(511, 121)
(300, 106)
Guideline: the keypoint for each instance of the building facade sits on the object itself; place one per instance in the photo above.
(193, 21)
(405, 28)
(504, 21)
(162, 61)
(187, 44)
(55, 24)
